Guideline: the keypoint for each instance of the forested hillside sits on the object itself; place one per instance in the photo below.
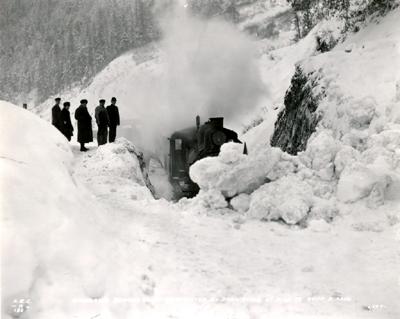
(49, 45)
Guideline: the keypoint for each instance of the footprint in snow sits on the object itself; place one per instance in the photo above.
(148, 285)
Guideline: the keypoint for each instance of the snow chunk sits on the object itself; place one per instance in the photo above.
(288, 198)
(321, 150)
(357, 181)
(241, 203)
(389, 139)
(205, 202)
(345, 156)
(233, 173)
(356, 139)
(324, 209)
(117, 159)
(116, 166)
(231, 153)
(212, 199)
(361, 112)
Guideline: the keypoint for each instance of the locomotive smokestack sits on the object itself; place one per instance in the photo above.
(217, 122)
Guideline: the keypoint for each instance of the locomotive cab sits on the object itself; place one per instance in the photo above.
(192, 144)
(181, 156)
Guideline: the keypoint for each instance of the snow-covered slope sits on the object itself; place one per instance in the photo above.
(351, 163)
(53, 240)
(42, 236)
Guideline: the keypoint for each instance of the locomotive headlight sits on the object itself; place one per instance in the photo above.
(218, 138)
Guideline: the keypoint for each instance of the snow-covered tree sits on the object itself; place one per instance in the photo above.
(50, 45)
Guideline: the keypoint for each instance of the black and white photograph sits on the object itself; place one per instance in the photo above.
(200, 159)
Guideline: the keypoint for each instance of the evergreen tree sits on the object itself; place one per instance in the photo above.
(49, 45)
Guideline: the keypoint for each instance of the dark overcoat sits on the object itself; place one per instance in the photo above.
(102, 119)
(113, 115)
(85, 133)
(56, 116)
(66, 125)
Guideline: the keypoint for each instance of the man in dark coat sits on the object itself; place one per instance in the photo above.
(85, 133)
(56, 114)
(102, 123)
(67, 128)
(113, 115)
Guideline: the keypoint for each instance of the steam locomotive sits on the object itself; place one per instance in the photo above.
(192, 144)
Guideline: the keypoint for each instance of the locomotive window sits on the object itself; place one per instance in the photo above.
(178, 144)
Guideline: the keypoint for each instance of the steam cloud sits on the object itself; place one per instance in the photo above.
(210, 70)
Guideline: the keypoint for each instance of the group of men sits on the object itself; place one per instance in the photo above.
(107, 120)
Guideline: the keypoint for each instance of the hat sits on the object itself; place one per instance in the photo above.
(84, 101)
(113, 99)
(102, 101)
(67, 104)
(57, 99)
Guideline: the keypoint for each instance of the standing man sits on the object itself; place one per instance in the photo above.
(85, 133)
(25, 106)
(67, 128)
(102, 123)
(56, 114)
(113, 115)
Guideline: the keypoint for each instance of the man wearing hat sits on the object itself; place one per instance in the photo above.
(103, 123)
(85, 133)
(67, 128)
(113, 115)
(56, 114)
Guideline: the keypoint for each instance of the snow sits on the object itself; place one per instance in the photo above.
(358, 181)
(50, 222)
(261, 10)
(320, 153)
(114, 167)
(160, 180)
(353, 155)
(288, 198)
(81, 250)
(87, 239)
(277, 67)
(206, 68)
(356, 113)
(41, 209)
(241, 203)
(222, 173)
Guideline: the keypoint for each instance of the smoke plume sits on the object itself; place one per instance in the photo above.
(210, 69)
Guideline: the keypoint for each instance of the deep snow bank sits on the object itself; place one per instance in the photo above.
(56, 239)
(267, 184)
(116, 168)
(361, 81)
(47, 233)
(38, 198)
